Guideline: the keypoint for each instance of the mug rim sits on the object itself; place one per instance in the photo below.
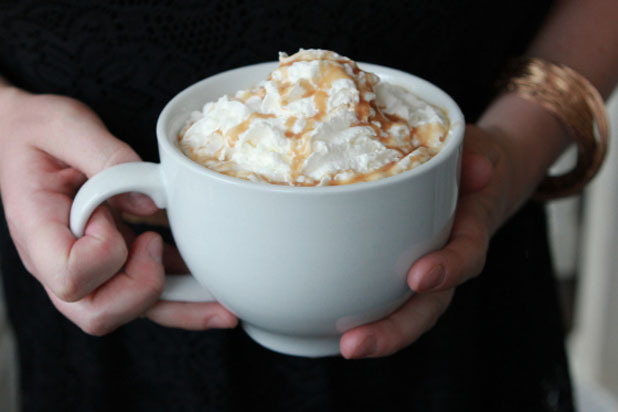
(454, 136)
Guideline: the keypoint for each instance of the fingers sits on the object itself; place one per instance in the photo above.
(479, 211)
(97, 281)
(135, 292)
(478, 172)
(37, 210)
(481, 208)
(185, 315)
(191, 316)
(462, 258)
(478, 160)
(126, 295)
(434, 278)
(401, 328)
(72, 268)
(61, 133)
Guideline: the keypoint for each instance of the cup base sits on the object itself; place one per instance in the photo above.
(306, 346)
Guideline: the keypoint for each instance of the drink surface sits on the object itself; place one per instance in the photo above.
(317, 120)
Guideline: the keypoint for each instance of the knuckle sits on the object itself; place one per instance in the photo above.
(152, 286)
(55, 108)
(472, 264)
(113, 250)
(90, 318)
(84, 271)
(121, 153)
(67, 288)
(109, 250)
(396, 339)
(51, 109)
(203, 323)
(97, 319)
(434, 315)
(97, 324)
(488, 214)
(480, 257)
(480, 264)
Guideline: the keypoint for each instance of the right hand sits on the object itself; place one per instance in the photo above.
(49, 145)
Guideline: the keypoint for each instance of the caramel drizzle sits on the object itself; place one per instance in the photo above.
(367, 112)
(234, 133)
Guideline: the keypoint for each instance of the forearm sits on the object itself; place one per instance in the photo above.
(581, 35)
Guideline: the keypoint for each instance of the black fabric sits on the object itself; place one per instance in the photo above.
(500, 345)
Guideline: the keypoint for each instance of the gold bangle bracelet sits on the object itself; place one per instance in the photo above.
(578, 105)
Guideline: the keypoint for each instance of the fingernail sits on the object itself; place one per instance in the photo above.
(155, 249)
(432, 279)
(217, 322)
(368, 347)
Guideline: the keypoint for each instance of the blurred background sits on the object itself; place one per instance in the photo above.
(584, 233)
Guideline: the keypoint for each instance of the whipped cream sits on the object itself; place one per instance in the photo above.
(317, 120)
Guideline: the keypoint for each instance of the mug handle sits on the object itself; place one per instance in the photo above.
(142, 177)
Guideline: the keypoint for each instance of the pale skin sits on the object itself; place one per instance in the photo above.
(110, 277)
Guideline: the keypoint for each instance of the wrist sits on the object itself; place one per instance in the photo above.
(533, 136)
(576, 103)
(529, 139)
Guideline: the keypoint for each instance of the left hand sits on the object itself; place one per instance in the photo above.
(485, 174)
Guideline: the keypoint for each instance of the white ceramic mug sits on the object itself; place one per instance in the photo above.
(298, 265)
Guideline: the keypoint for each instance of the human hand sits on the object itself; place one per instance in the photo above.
(485, 175)
(49, 145)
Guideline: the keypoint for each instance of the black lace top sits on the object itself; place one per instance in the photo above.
(498, 348)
